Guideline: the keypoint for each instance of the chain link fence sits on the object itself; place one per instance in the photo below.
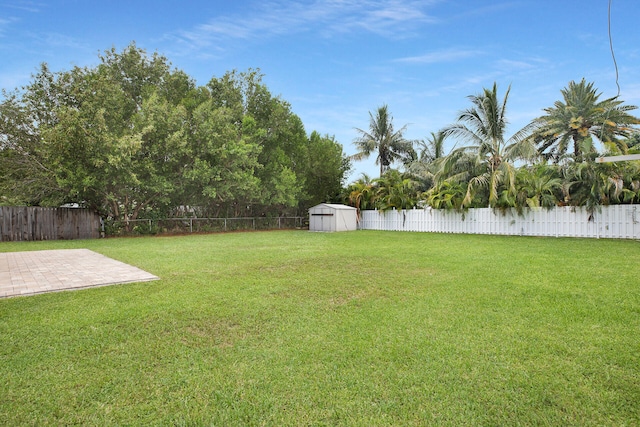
(204, 225)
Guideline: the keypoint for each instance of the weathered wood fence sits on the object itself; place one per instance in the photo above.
(614, 222)
(36, 223)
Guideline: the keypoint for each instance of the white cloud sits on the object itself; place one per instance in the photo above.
(4, 24)
(27, 6)
(57, 40)
(514, 65)
(391, 19)
(447, 55)
(279, 17)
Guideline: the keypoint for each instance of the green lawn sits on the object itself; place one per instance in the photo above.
(363, 328)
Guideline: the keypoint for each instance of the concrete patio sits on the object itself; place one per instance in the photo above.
(35, 272)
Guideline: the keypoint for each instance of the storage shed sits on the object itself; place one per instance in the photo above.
(330, 217)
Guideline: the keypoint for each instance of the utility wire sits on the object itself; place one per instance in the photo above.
(613, 55)
(615, 65)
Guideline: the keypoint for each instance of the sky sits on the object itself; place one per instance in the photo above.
(335, 61)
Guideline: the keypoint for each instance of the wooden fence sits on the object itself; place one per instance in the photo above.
(36, 223)
(614, 222)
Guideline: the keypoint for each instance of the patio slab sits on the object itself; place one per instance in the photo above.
(36, 272)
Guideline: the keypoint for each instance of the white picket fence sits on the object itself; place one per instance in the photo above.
(613, 222)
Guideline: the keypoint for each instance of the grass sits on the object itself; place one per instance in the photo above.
(363, 328)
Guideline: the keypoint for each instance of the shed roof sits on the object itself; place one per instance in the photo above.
(333, 206)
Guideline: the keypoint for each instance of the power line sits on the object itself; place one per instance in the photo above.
(615, 64)
(613, 55)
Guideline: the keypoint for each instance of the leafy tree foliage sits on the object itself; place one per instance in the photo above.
(328, 165)
(133, 137)
(27, 177)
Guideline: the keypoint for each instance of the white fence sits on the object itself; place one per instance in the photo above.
(614, 222)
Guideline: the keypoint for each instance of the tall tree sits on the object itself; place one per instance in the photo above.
(27, 178)
(132, 136)
(223, 158)
(283, 155)
(579, 118)
(382, 138)
(483, 126)
(431, 153)
(326, 171)
(432, 148)
(114, 142)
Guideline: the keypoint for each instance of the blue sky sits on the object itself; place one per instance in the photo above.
(336, 60)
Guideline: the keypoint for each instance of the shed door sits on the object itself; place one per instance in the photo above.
(322, 221)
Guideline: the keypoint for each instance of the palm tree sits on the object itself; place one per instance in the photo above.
(538, 186)
(432, 148)
(360, 194)
(395, 190)
(390, 144)
(483, 126)
(578, 119)
(448, 195)
(430, 153)
(633, 143)
(593, 184)
(452, 174)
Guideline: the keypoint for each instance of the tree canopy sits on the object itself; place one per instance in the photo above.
(132, 136)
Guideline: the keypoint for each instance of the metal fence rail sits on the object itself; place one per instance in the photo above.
(208, 225)
(614, 222)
